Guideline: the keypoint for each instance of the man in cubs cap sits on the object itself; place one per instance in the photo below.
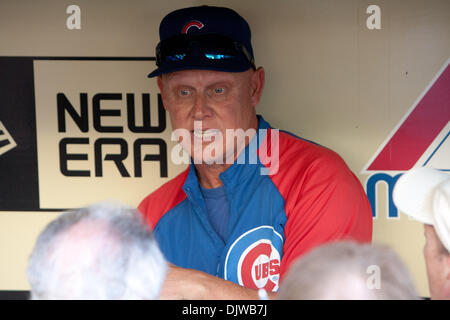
(424, 195)
(253, 198)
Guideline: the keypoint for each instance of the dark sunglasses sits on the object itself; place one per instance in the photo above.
(208, 47)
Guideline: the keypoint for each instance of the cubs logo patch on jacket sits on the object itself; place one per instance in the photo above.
(275, 216)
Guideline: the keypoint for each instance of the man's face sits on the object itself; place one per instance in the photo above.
(438, 265)
(216, 100)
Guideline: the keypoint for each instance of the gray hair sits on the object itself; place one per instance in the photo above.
(104, 251)
(346, 270)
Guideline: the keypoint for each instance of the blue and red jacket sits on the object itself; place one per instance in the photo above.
(312, 199)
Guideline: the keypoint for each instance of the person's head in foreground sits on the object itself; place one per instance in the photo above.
(347, 271)
(103, 251)
(424, 195)
(208, 79)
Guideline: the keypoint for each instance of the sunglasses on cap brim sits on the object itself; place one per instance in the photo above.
(207, 47)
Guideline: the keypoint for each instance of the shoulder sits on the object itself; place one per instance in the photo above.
(306, 168)
(299, 156)
(160, 201)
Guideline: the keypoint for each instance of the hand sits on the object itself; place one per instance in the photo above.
(180, 284)
(189, 284)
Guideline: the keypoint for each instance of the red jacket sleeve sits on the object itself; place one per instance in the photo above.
(324, 202)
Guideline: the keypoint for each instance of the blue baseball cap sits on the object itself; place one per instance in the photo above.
(204, 37)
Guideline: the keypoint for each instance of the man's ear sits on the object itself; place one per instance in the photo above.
(159, 81)
(258, 80)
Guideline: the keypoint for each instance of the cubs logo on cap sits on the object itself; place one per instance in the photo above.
(253, 260)
(190, 24)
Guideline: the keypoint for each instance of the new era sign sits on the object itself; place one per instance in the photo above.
(79, 130)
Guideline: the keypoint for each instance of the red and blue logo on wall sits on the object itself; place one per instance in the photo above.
(421, 138)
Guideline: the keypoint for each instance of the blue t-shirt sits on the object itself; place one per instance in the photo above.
(218, 211)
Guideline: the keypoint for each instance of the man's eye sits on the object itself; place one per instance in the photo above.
(219, 90)
(184, 92)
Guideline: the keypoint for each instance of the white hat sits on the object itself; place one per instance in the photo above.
(424, 195)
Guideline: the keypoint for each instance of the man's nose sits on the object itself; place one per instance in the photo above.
(201, 109)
